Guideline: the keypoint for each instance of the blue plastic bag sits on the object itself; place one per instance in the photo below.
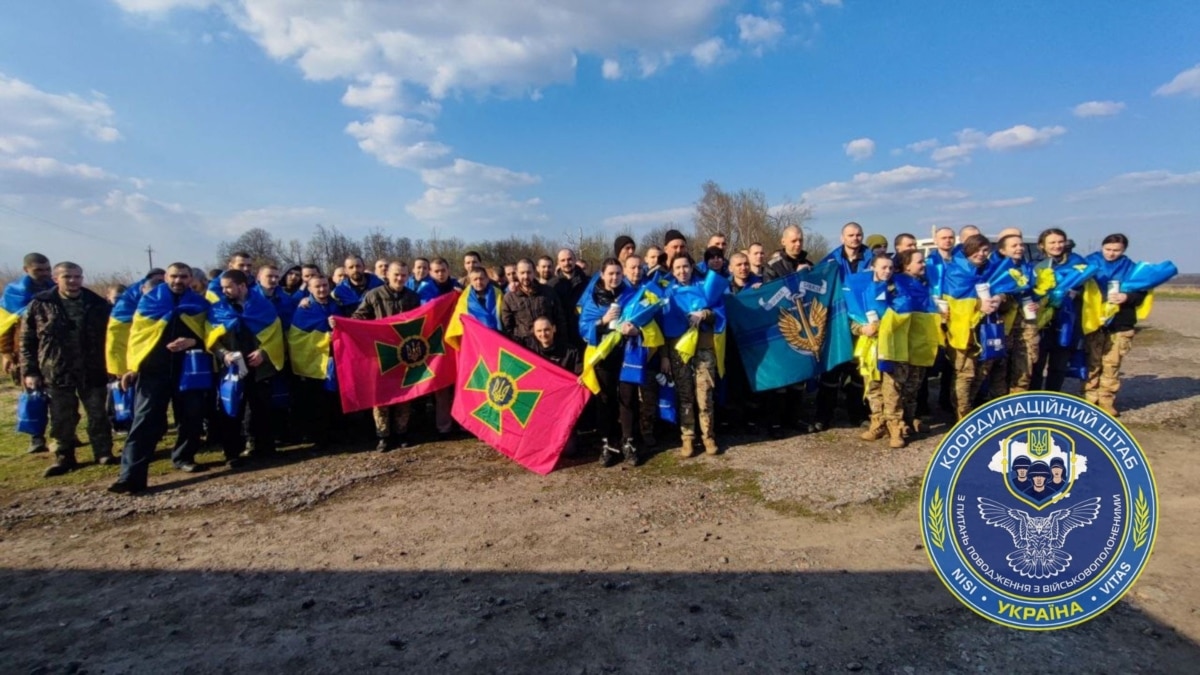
(1063, 325)
(991, 340)
(197, 372)
(1077, 366)
(668, 403)
(331, 383)
(230, 392)
(32, 412)
(632, 369)
(122, 402)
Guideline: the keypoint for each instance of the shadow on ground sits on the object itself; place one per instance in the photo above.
(1138, 391)
(422, 622)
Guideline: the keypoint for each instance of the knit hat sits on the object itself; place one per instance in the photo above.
(620, 243)
(876, 240)
(672, 235)
(713, 252)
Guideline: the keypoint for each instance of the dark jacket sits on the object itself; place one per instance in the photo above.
(1126, 316)
(53, 350)
(383, 301)
(781, 264)
(559, 353)
(521, 309)
(245, 341)
(569, 290)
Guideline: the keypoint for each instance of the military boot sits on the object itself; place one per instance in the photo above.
(710, 446)
(609, 456)
(896, 430)
(876, 431)
(687, 446)
(64, 462)
(631, 453)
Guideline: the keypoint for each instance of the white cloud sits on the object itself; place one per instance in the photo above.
(1186, 83)
(279, 220)
(1138, 181)
(397, 141)
(923, 146)
(43, 116)
(48, 167)
(1098, 108)
(832, 3)
(653, 218)
(859, 149)
(611, 69)
(378, 91)
(1023, 136)
(11, 145)
(161, 6)
(470, 193)
(993, 204)
(902, 185)
(758, 31)
(709, 52)
(968, 141)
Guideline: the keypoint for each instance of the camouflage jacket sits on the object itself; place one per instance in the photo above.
(52, 349)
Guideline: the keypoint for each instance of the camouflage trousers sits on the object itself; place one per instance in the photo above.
(695, 386)
(391, 419)
(1104, 353)
(64, 419)
(969, 375)
(893, 397)
(1013, 373)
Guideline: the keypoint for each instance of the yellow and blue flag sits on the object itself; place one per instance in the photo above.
(486, 311)
(639, 306)
(155, 312)
(120, 321)
(1132, 278)
(683, 299)
(258, 316)
(17, 297)
(309, 339)
(910, 330)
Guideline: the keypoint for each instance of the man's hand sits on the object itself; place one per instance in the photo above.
(230, 358)
(665, 365)
(33, 382)
(629, 330)
(870, 330)
(127, 380)
(803, 267)
(180, 344)
(255, 358)
(695, 318)
(305, 303)
(332, 319)
(1117, 298)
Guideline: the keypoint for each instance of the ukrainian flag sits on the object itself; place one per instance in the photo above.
(309, 339)
(155, 311)
(258, 315)
(958, 290)
(116, 345)
(486, 312)
(1132, 277)
(681, 300)
(864, 294)
(910, 330)
(17, 297)
(639, 306)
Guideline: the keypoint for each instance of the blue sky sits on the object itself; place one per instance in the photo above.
(179, 123)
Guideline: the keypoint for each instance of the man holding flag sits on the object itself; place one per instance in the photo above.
(17, 297)
(852, 257)
(169, 321)
(391, 421)
(785, 403)
(311, 352)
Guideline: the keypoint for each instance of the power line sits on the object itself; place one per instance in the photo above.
(82, 233)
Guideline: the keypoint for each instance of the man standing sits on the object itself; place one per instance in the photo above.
(170, 320)
(246, 331)
(904, 242)
(935, 270)
(757, 256)
(782, 406)
(471, 260)
(17, 297)
(380, 267)
(420, 272)
(1014, 372)
(545, 343)
(545, 270)
(269, 289)
(569, 284)
(239, 260)
(62, 348)
(718, 240)
(311, 350)
(391, 421)
(436, 285)
(357, 282)
(674, 243)
(527, 301)
(623, 247)
(648, 390)
(852, 257)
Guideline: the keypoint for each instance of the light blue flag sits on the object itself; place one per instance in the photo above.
(792, 329)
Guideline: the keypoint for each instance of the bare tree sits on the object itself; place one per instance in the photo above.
(259, 243)
(744, 217)
(329, 248)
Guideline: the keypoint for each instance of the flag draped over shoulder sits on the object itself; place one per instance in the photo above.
(486, 311)
(958, 290)
(17, 297)
(865, 295)
(396, 358)
(155, 311)
(683, 299)
(791, 329)
(309, 340)
(116, 342)
(639, 306)
(513, 400)
(258, 316)
(910, 330)
(349, 295)
(1132, 277)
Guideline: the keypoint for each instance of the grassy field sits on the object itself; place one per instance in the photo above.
(1178, 292)
(20, 471)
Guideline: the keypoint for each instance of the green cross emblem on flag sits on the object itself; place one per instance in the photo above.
(412, 352)
(502, 391)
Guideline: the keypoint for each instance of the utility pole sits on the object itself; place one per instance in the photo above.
(150, 256)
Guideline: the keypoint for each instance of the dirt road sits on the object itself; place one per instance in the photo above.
(447, 558)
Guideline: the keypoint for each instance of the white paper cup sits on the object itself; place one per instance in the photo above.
(984, 291)
(1031, 311)
(943, 306)
(872, 316)
(1114, 287)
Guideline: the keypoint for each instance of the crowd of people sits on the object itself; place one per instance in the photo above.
(152, 338)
